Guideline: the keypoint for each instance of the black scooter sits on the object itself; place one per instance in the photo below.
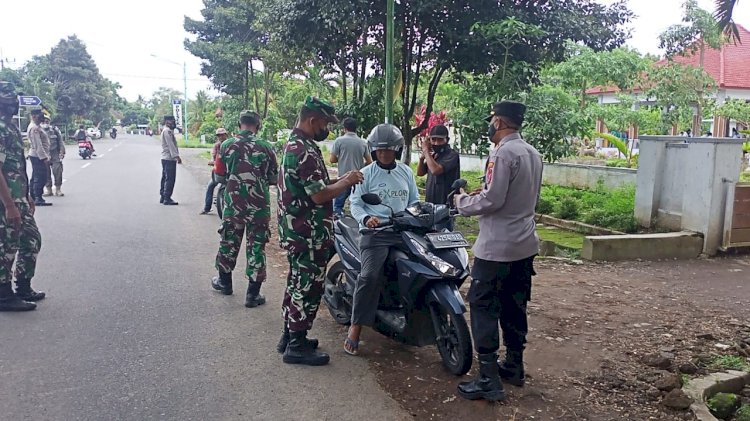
(420, 304)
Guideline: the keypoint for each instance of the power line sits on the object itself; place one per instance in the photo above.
(151, 77)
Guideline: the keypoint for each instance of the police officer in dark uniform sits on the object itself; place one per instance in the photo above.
(504, 252)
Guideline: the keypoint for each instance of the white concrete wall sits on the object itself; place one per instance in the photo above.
(587, 176)
(681, 182)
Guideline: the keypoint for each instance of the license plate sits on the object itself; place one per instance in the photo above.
(447, 240)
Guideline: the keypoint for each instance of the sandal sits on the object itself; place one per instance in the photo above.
(354, 345)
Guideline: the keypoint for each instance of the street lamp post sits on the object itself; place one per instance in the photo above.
(389, 23)
(185, 105)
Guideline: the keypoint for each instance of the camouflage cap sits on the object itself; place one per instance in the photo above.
(249, 113)
(8, 94)
(322, 106)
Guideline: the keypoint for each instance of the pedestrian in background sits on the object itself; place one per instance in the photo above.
(249, 165)
(306, 196)
(39, 155)
(221, 136)
(351, 153)
(504, 252)
(170, 157)
(56, 155)
(20, 240)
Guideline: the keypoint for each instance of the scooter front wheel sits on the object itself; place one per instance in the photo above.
(453, 339)
(334, 294)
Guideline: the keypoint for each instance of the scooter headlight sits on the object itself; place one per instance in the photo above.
(439, 264)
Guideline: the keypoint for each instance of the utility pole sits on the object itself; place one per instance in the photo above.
(185, 111)
(389, 26)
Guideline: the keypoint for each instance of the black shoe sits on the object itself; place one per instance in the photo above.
(300, 351)
(284, 341)
(223, 283)
(487, 384)
(40, 202)
(10, 302)
(169, 202)
(26, 293)
(253, 298)
(511, 370)
(161, 200)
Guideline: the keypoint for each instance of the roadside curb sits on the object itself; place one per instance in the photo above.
(703, 388)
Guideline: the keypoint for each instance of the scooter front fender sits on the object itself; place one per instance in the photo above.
(447, 295)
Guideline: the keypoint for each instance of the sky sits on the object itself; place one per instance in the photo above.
(122, 36)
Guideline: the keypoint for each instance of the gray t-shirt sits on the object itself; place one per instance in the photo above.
(351, 151)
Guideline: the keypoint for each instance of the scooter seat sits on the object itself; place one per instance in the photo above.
(350, 229)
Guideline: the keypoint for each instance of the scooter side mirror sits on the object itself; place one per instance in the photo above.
(371, 199)
(458, 184)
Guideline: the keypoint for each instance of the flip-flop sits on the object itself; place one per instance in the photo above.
(354, 345)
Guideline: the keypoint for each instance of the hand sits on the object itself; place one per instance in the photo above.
(13, 216)
(179, 160)
(373, 222)
(353, 177)
(426, 148)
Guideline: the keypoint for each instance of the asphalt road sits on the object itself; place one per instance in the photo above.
(131, 329)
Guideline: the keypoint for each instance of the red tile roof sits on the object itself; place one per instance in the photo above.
(729, 66)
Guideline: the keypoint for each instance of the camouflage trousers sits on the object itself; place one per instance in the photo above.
(19, 246)
(56, 171)
(304, 288)
(256, 234)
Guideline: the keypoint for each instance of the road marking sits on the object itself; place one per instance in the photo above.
(86, 165)
(110, 150)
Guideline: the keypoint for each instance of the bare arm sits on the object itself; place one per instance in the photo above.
(421, 167)
(334, 158)
(333, 190)
(432, 165)
(368, 158)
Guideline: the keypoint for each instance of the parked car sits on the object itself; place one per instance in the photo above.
(94, 133)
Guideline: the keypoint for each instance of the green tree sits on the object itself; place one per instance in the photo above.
(735, 109)
(699, 31)
(678, 89)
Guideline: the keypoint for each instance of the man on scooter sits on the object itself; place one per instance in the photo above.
(395, 184)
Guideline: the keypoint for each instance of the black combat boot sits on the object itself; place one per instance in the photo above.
(223, 283)
(300, 351)
(253, 298)
(487, 385)
(511, 370)
(9, 301)
(24, 291)
(284, 341)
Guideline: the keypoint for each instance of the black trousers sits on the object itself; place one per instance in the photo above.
(168, 174)
(39, 177)
(499, 293)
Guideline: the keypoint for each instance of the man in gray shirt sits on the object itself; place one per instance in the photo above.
(170, 157)
(352, 154)
(39, 157)
(504, 252)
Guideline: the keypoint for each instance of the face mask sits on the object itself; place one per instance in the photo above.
(439, 148)
(321, 135)
(491, 131)
(45, 126)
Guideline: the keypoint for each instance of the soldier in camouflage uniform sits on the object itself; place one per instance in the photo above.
(57, 153)
(249, 165)
(305, 227)
(19, 237)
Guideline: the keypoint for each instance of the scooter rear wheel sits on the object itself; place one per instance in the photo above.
(453, 339)
(334, 294)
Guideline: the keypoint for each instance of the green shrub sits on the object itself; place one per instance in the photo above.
(568, 208)
(722, 405)
(743, 414)
(545, 206)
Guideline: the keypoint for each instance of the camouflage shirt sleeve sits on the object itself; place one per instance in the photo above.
(304, 165)
(4, 140)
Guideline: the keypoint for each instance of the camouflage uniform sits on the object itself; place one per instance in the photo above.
(250, 169)
(20, 246)
(305, 229)
(57, 153)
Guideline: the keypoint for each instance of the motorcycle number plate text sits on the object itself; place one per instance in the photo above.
(447, 240)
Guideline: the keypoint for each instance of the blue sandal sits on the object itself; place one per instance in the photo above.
(354, 345)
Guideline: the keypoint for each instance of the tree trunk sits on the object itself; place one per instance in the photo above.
(343, 81)
(246, 84)
(255, 85)
(698, 122)
(267, 78)
(362, 79)
(355, 79)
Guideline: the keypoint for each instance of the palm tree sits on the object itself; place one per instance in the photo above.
(723, 14)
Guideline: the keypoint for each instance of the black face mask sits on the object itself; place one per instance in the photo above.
(439, 148)
(491, 131)
(321, 135)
